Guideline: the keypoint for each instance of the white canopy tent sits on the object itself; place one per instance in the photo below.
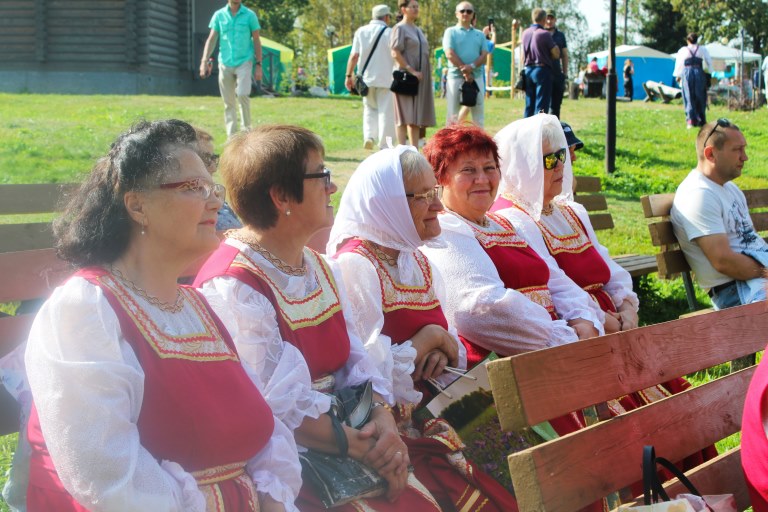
(628, 50)
(725, 53)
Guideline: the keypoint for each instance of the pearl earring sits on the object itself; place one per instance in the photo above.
(288, 212)
(143, 230)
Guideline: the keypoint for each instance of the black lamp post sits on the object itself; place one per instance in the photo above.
(610, 131)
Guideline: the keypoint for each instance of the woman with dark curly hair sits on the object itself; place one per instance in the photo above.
(140, 399)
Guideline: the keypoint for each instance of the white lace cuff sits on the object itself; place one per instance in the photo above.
(191, 497)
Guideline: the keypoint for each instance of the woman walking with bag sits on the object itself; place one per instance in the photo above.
(410, 50)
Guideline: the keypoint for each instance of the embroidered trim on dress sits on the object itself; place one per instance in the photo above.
(203, 346)
(540, 295)
(300, 312)
(396, 295)
(492, 237)
(575, 242)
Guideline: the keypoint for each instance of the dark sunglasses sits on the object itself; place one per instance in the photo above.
(466, 11)
(722, 123)
(325, 174)
(550, 160)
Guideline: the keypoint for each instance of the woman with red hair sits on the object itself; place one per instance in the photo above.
(496, 279)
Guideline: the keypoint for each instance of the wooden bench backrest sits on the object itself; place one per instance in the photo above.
(588, 195)
(29, 199)
(575, 470)
(670, 259)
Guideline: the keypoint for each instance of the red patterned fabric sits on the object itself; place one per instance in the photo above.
(181, 380)
(321, 336)
(754, 443)
(406, 310)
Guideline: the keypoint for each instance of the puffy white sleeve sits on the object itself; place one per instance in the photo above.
(277, 368)
(707, 58)
(365, 313)
(682, 54)
(276, 469)
(570, 299)
(88, 385)
(619, 286)
(360, 366)
(483, 310)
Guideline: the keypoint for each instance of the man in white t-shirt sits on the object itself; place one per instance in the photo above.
(711, 219)
(378, 106)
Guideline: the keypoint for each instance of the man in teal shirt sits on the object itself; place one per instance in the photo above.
(466, 49)
(237, 28)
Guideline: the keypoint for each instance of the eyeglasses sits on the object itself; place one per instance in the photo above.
(325, 174)
(430, 196)
(722, 123)
(550, 160)
(199, 186)
(466, 11)
(209, 159)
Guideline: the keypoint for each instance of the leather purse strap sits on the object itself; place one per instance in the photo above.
(653, 490)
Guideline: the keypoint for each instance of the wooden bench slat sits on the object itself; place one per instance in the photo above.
(760, 220)
(628, 361)
(25, 237)
(575, 470)
(601, 221)
(756, 198)
(638, 264)
(662, 233)
(672, 263)
(657, 205)
(36, 198)
(721, 475)
(30, 274)
(588, 184)
(592, 202)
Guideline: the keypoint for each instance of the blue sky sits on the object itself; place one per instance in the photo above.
(596, 14)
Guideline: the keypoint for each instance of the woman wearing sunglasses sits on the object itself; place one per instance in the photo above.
(140, 398)
(502, 297)
(537, 197)
(389, 209)
(287, 310)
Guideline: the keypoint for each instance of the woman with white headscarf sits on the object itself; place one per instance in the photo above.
(536, 196)
(389, 209)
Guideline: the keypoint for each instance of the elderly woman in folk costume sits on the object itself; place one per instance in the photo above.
(287, 310)
(536, 196)
(389, 209)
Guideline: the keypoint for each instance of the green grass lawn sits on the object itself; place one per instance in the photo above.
(54, 138)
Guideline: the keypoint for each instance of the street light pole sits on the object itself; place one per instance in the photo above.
(610, 96)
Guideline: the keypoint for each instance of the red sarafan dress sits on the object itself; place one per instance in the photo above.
(314, 324)
(199, 408)
(754, 440)
(406, 309)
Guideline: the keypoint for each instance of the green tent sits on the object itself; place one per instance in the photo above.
(277, 61)
(337, 68)
(502, 59)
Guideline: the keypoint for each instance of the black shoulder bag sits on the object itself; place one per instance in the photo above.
(405, 83)
(520, 84)
(360, 87)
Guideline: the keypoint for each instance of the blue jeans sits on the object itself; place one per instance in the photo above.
(726, 298)
(538, 89)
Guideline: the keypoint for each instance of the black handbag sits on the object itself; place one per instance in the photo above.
(468, 93)
(405, 83)
(359, 86)
(520, 84)
(339, 479)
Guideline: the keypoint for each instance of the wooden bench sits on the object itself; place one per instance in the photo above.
(29, 270)
(588, 195)
(570, 472)
(670, 259)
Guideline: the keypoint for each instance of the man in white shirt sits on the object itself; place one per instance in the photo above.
(378, 107)
(711, 220)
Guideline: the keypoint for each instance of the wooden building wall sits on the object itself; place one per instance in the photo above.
(96, 34)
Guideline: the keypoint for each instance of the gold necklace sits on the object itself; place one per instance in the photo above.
(249, 240)
(547, 209)
(177, 305)
(391, 260)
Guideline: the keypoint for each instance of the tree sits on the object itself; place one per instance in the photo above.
(716, 19)
(276, 17)
(663, 27)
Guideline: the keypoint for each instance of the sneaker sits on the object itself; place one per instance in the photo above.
(368, 144)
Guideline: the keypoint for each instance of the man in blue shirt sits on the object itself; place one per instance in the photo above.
(560, 71)
(237, 28)
(539, 50)
(465, 48)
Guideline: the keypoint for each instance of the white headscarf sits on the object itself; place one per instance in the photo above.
(522, 162)
(373, 206)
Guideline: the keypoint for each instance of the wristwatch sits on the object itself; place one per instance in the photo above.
(472, 65)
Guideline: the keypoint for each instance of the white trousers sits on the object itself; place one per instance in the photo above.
(235, 86)
(452, 88)
(379, 116)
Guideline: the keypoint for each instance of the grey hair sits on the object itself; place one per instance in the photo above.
(413, 164)
(551, 132)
